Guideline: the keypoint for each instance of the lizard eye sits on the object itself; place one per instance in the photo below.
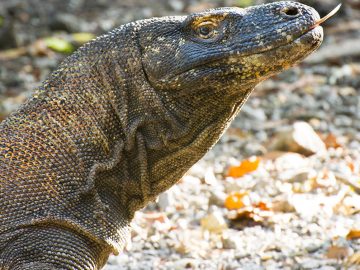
(206, 30)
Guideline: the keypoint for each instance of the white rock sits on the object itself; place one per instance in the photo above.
(210, 177)
(167, 200)
(295, 176)
(299, 138)
(231, 241)
(177, 5)
(310, 264)
(327, 268)
(254, 113)
(217, 197)
(213, 222)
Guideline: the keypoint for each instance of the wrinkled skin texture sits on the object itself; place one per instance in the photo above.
(122, 120)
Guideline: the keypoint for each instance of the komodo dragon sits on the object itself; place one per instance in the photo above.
(123, 118)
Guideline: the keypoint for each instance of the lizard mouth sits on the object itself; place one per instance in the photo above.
(315, 28)
(317, 25)
(323, 19)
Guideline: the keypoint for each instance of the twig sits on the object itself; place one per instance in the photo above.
(348, 180)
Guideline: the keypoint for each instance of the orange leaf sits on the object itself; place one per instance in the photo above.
(263, 206)
(235, 200)
(248, 216)
(331, 141)
(353, 234)
(351, 165)
(246, 166)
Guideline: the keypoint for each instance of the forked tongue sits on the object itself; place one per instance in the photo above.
(323, 19)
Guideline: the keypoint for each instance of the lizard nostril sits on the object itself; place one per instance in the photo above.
(290, 11)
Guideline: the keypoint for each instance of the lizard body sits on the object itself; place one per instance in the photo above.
(123, 118)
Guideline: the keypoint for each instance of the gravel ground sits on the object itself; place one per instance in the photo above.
(296, 207)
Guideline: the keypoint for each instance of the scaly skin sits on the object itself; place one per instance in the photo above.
(122, 120)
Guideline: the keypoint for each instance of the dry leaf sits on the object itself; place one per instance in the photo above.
(353, 234)
(12, 53)
(241, 214)
(351, 166)
(249, 216)
(353, 260)
(235, 200)
(238, 133)
(246, 166)
(39, 48)
(154, 216)
(263, 206)
(282, 205)
(182, 248)
(331, 141)
(337, 252)
(273, 155)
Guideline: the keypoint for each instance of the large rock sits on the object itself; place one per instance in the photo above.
(300, 138)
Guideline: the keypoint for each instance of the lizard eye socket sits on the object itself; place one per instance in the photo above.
(206, 30)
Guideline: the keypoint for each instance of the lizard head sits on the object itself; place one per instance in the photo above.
(202, 67)
(229, 49)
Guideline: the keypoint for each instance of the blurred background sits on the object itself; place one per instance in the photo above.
(279, 191)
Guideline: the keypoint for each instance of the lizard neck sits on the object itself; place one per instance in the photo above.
(160, 132)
